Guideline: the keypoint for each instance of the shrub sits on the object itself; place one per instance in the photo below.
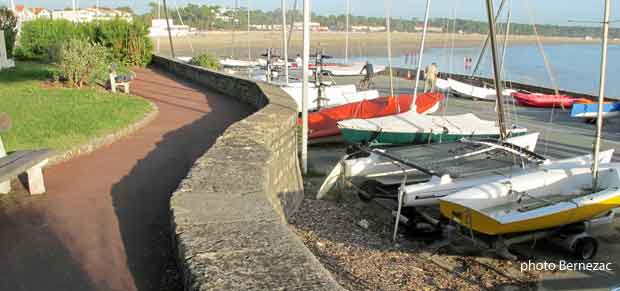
(40, 38)
(80, 62)
(8, 24)
(127, 42)
(206, 60)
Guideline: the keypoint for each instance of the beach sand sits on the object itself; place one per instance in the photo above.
(226, 43)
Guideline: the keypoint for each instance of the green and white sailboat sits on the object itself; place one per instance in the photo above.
(413, 128)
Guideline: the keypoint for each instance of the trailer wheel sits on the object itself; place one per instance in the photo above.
(585, 248)
(367, 189)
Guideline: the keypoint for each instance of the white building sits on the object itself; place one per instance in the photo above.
(91, 14)
(367, 28)
(24, 13)
(159, 28)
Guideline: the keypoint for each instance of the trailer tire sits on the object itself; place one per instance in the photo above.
(585, 248)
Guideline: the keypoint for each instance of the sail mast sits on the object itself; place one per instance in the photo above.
(601, 97)
(421, 54)
(496, 71)
(346, 41)
(284, 41)
(388, 8)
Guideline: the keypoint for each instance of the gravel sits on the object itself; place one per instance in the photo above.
(353, 240)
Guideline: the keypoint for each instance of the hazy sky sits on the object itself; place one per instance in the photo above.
(545, 11)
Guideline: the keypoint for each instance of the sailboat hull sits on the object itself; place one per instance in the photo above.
(359, 136)
(534, 201)
(324, 123)
(484, 224)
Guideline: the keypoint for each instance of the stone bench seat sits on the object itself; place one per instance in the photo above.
(30, 162)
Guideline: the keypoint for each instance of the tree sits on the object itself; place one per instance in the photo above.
(8, 24)
(125, 9)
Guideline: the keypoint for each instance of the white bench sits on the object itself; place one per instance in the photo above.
(30, 162)
(114, 85)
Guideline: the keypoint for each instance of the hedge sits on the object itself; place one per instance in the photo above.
(128, 42)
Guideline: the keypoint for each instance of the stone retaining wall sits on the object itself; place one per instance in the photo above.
(229, 214)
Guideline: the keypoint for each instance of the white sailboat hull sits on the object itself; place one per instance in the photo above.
(475, 92)
(336, 95)
(387, 171)
(429, 193)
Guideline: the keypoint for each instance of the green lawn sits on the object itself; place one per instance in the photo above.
(60, 118)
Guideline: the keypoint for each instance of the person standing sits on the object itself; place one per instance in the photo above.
(430, 77)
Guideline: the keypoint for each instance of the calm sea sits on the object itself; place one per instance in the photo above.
(574, 67)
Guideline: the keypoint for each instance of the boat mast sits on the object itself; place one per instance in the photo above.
(346, 40)
(284, 41)
(388, 8)
(169, 31)
(498, 80)
(601, 97)
(421, 54)
(304, 81)
(248, 39)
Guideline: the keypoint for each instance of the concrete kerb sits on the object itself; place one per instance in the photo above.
(229, 214)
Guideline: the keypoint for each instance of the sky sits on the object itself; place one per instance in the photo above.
(543, 11)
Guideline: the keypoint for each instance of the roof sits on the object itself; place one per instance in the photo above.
(19, 8)
(39, 10)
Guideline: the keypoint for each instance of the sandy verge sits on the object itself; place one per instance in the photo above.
(361, 44)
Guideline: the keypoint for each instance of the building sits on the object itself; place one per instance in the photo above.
(91, 14)
(159, 28)
(367, 28)
(429, 29)
(24, 14)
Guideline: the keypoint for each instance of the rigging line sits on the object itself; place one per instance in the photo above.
(483, 50)
(546, 62)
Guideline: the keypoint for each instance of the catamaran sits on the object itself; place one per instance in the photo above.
(542, 200)
(422, 163)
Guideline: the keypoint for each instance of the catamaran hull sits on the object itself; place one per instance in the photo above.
(484, 224)
(429, 193)
(386, 171)
(497, 208)
(402, 138)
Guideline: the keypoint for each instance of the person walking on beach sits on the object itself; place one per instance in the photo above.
(430, 77)
(366, 83)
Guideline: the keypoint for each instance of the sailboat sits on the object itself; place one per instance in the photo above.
(324, 123)
(542, 199)
(474, 92)
(422, 163)
(412, 128)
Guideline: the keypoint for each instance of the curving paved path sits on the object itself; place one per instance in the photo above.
(104, 223)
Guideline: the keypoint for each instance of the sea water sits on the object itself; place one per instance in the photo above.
(575, 67)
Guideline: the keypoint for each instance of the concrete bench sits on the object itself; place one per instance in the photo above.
(30, 162)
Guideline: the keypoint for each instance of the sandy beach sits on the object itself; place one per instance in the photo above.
(226, 43)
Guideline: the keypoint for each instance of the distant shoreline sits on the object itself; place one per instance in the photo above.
(225, 43)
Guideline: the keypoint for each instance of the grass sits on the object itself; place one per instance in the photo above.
(60, 118)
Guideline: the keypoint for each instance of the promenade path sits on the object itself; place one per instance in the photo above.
(104, 223)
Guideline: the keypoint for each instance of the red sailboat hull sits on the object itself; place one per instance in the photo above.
(324, 123)
(542, 100)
